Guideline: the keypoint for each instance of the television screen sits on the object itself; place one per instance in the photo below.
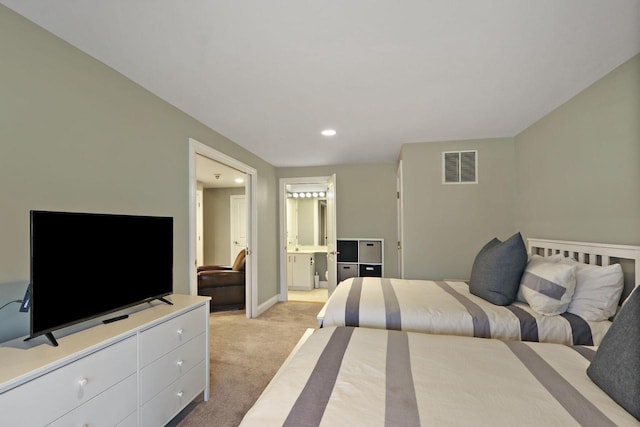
(84, 265)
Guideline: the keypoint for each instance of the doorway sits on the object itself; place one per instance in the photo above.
(198, 151)
(308, 238)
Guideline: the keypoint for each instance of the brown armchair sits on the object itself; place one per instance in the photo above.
(224, 284)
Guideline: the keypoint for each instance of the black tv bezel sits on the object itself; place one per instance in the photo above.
(48, 332)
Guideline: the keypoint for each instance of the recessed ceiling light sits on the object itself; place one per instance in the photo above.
(239, 180)
(328, 132)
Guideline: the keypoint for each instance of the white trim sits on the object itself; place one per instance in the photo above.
(400, 213)
(267, 305)
(196, 147)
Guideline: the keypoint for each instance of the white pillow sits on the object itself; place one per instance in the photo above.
(548, 286)
(555, 258)
(552, 258)
(598, 290)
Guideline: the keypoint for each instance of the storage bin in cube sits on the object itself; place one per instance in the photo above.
(370, 251)
(347, 270)
(368, 270)
(347, 251)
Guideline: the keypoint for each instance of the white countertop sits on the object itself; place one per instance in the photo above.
(307, 250)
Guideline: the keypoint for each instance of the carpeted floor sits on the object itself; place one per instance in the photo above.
(245, 354)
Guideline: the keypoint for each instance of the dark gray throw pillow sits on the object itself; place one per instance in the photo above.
(616, 366)
(497, 269)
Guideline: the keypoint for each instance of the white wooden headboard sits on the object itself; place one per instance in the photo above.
(594, 253)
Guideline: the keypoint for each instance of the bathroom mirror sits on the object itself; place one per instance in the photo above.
(321, 229)
(306, 222)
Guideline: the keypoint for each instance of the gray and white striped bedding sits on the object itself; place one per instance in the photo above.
(447, 307)
(345, 376)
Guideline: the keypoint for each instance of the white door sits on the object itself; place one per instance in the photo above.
(238, 225)
(199, 229)
(331, 235)
(400, 229)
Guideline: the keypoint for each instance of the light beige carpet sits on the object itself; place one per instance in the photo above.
(245, 354)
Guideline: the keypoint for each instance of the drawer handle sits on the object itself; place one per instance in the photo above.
(83, 382)
(179, 362)
(369, 244)
(369, 268)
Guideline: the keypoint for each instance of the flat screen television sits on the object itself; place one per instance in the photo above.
(86, 265)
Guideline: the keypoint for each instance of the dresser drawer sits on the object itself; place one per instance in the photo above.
(161, 339)
(130, 421)
(107, 409)
(166, 404)
(164, 371)
(52, 395)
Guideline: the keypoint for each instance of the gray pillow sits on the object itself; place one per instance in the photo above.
(616, 366)
(497, 269)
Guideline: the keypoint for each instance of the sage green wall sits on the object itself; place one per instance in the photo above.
(446, 225)
(365, 203)
(216, 224)
(578, 168)
(76, 135)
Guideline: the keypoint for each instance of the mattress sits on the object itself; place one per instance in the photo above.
(346, 376)
(447, 307)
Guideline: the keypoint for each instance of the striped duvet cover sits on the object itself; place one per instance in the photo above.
(344, 376)
(440, 307)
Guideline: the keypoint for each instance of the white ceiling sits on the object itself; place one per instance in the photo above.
(213, 174)
(270, 75)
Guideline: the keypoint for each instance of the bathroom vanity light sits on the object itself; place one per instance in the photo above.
(307, 195)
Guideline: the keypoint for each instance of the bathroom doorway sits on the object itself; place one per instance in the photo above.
(308, 238)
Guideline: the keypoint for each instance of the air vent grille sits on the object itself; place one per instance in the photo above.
(460, 167)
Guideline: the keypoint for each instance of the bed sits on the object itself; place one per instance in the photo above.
(355, 376)
(448, 307)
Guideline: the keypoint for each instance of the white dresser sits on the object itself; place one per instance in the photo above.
(140, 371)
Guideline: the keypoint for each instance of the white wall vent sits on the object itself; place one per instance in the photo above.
(460, 167)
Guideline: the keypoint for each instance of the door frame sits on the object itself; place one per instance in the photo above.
(283, 294)
(400, 214)
(251, 266)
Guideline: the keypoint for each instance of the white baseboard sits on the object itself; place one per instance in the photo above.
(267, 304)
